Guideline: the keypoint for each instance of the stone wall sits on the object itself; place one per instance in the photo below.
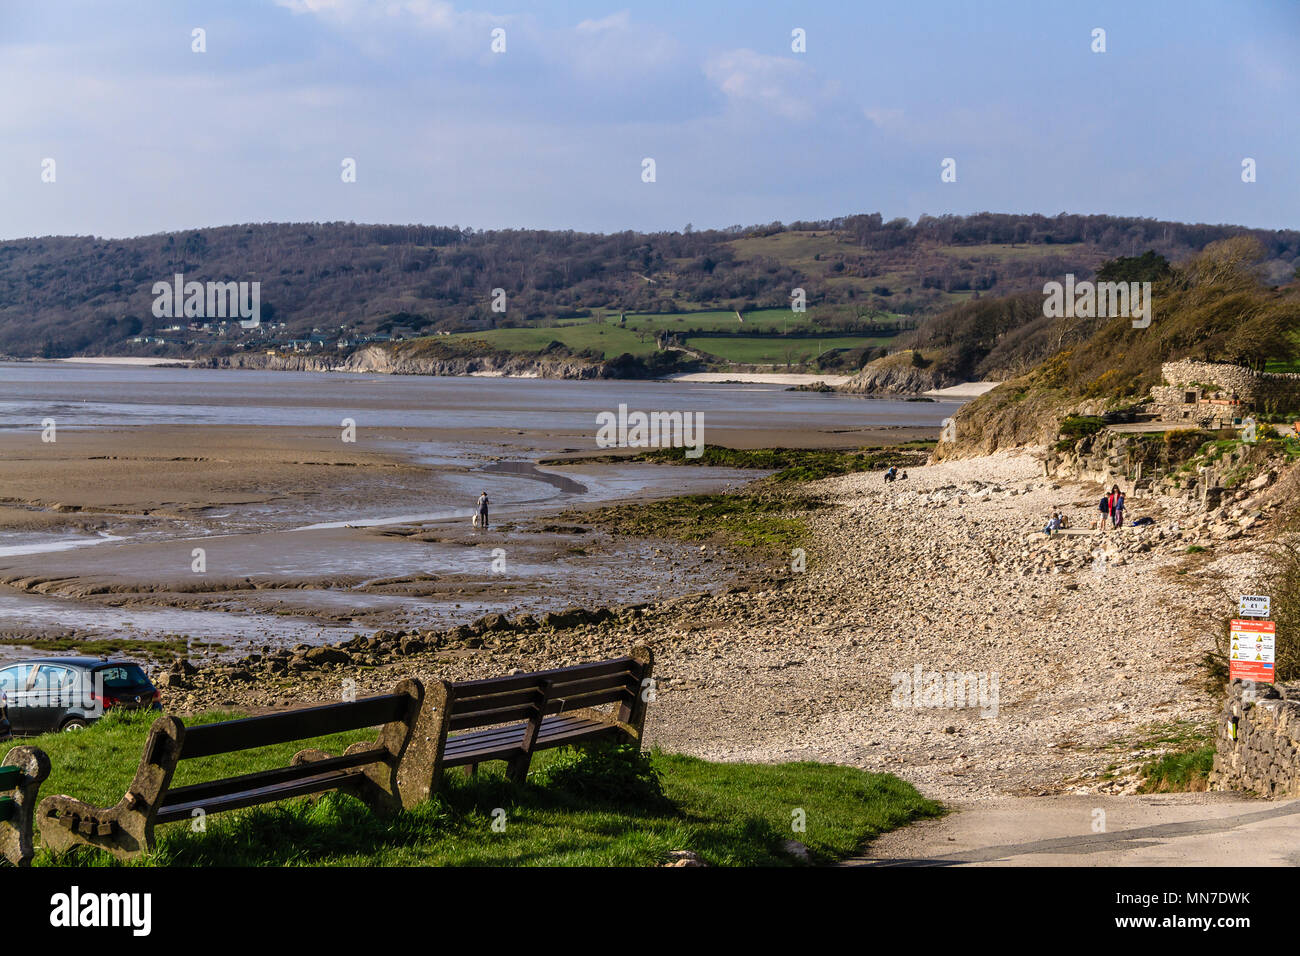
(1211, 394)
(1257, 743)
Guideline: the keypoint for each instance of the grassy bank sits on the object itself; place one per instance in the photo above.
(164, 649)
(1187, 770)
(788, 464)
(735, 520)
(1184, 758)
(606, 809)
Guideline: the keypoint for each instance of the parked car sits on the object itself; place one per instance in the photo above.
(68, 693)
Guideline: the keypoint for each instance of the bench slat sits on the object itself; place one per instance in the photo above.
(482, 718)
(572, 688)
(558, 737)
(500, 685)
(474, 705)
(595, 699)
(557, 704)
(463, 704)
(205, 740)
(197, 793)
(489, 745)
(496, 734)
(249, 798)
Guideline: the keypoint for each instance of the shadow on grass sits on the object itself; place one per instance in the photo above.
(577, 809)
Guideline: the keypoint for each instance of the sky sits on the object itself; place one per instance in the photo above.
(147, 135)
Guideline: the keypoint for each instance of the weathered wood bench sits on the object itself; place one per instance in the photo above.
(389, 773)
(21, 775)
(509, 718)
(524, 713)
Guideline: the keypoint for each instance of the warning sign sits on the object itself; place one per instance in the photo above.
(1250, 651)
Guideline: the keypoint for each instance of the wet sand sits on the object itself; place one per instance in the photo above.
(302, 538)
(230, 505)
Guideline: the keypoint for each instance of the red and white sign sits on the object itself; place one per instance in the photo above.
(1250, 650)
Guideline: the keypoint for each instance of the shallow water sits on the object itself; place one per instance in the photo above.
(85, 395)
(485, 448)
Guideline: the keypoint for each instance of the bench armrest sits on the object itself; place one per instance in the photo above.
(16, 831)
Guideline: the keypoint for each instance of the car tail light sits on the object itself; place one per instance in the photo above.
(108, 700)
(157, 697)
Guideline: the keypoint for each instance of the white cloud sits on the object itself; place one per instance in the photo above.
(773, 83)
(883, 117)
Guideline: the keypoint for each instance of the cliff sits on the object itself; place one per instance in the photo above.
(897, 375)
(393, 361)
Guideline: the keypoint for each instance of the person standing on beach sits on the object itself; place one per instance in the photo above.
(483, 510)
(1104, 508)
(1119, 509)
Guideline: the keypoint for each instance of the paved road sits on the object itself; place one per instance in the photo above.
(1185, 829)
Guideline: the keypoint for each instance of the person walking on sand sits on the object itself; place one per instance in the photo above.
(483, 510)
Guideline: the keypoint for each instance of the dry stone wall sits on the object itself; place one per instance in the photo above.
(1257, 742)
(1198, 391)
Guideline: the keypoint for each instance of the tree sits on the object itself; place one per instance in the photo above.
(1148, 267)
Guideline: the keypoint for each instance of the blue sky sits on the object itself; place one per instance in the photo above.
(149, 136)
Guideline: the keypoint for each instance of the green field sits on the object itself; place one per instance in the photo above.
(725, 320)
(767, 350)
(722, 320)
(609, 340)
(636, 335)
(605, 808)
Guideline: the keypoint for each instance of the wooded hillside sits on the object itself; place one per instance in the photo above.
(82, 295)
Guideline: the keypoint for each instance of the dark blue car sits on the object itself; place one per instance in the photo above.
(67, 693)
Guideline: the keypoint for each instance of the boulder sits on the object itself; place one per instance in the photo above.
(327, 655)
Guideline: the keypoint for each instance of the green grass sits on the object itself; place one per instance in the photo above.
(769, 523)
(729, 814)
(1184, 767)
(637, 335)
(1179, 772)
(790, 464)
(607, 339)
(163, 649)
(721, 320)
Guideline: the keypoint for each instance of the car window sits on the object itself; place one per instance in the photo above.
(117, 676)
(52, 677)
(13, 679)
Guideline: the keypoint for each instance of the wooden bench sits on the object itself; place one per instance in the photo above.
(21, 775)
(388, 773)
(508, 718)
(521, 714)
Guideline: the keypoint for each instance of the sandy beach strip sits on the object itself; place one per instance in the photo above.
(963, 390)
(123, 360)
(760, 378)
